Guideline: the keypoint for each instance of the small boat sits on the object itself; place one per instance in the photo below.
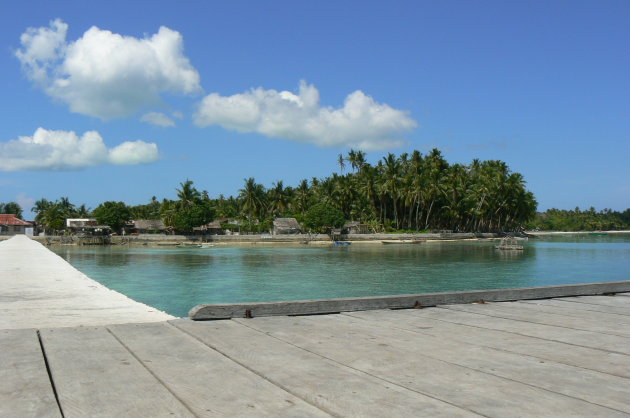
(341, 243)
(508, 244)
(205, 245)
(413, 241)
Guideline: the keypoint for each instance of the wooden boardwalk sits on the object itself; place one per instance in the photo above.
(553, 357)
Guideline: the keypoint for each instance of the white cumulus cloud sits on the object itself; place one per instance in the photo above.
(106, 74)
(361, 122)
(158, 119)
(65, 150)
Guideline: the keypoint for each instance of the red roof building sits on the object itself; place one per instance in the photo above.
(11, 225)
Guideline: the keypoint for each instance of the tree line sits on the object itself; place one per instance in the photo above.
(581, 220)
(406, 192)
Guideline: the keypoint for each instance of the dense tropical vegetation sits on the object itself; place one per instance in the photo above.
(52, 215)
(408, 192)
(581, 220)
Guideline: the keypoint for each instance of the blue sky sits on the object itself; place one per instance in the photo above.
(126, 99)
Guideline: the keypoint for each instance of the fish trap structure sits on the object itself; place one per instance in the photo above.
(509, 244)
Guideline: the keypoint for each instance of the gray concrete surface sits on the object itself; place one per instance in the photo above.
(40, 289)
(494, 359)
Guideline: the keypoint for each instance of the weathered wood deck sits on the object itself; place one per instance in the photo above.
(555, 357)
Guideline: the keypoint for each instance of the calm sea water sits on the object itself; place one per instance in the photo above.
(176, 279)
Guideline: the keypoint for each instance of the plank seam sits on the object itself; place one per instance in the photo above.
(575, 300)
(571, 313)
(151, 372)
(529, 336)
(49, 372)
(585, 309)
(279, 386)
(503, 350)
(367, 373)
(455, 365)
(500, 315)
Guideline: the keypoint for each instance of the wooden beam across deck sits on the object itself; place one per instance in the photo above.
(324, 306)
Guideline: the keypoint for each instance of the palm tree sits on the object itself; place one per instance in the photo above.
(39, 207)
(66, 206)
(302, 197)
(435, 164)
(168, 212)
(187, 194)
(341, 163)
(391, 181)
(252, 196)
(54, 217)
(278, 199)
(82, 211)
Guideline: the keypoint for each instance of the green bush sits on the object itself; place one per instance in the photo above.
(321, 216)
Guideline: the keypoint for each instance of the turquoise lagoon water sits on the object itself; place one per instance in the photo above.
(176, 279)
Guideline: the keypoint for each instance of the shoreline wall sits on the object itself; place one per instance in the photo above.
(261, 238)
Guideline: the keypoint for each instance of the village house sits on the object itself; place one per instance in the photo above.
(86, 226)
(147, 226)
(211, 228)
(286, 226)
(355, 227)
(12, 225)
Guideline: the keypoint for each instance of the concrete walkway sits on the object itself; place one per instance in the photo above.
(40, 289)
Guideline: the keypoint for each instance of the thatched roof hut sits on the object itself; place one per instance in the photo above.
(148, 225)
(286, 226)
(212, 228)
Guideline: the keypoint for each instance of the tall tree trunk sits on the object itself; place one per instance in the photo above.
(426, 222)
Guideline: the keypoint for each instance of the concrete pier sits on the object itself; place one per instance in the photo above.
(40, 289)
(568, 356)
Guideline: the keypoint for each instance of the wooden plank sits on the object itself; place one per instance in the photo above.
(96, 376)
(522, 312)
(243, 310)
(412, 361)
(587, 358)
(340, 390)
(586, 307)
(591, 386)
(25, 389)
(565, 335)
(206, 381)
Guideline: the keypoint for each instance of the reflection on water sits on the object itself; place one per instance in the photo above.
(176, 279)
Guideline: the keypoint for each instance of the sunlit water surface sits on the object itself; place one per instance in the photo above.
(176, 279)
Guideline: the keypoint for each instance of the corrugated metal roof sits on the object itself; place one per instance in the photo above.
(12, 220)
